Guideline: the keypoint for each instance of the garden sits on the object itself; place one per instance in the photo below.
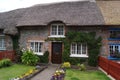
(71, 69)
(26, 68)
(78, 72)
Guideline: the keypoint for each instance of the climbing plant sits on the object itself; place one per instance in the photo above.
(15, 41)
(93, 43)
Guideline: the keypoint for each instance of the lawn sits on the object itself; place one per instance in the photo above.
(85, 75)
(13, 71)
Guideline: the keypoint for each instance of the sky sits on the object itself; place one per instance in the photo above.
(7, 5)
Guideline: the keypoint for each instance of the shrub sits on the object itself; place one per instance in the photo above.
(5, 63)
(44, 58)
(29, 58)
(81, 67)
(66, 65)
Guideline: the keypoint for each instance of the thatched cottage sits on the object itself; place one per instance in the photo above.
(37, 23)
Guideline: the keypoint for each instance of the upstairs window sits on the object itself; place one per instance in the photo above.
(37, 47)
(57, 30)
(2, 42)
(78, 50)
(115, 33)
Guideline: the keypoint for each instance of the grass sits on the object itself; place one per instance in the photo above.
(13, 71)
(85, 75)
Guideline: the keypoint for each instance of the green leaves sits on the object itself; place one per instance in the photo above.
(5, 63)
(29, 58)
(93, 43)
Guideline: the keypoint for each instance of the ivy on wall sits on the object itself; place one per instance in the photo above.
(93, 43)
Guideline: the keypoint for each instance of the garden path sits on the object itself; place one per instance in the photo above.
(47, 73)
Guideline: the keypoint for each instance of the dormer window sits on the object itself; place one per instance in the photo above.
(57, 30)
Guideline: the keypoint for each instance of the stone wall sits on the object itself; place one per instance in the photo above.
(8, 43)
(42, 33)
(99, 32)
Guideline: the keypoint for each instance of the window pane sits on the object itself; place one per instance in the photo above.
(116, 49)
(32, 46)
(79, 49)
(114, 34)
(54, 30)
(84, 48)
(111, 49)
(2, 43)
(73, 49)
(60, 30)
(40, 47)
(36, 46)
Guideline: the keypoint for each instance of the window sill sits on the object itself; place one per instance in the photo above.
(2, 49)
(57, 36)
(40, 54)
(73, 55)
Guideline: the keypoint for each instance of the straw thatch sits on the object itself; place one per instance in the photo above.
(8, 20)
(71, 13)
(111, 11)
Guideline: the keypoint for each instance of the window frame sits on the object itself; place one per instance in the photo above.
(112, 48)
(77, 51)
(3, 42)
(42, 46)
(57, 32)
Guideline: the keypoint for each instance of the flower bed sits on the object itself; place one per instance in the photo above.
(30, 73)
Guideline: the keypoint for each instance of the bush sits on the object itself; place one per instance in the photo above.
(44, 58)
(93, 57)
(66, 65)
(5, 63)
(82, 67)
(29, 58)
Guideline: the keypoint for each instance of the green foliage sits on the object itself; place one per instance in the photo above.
(81, 67)
(93, 43)
(29, 58)
(66, 65)
(15, 41)
(45, 57)
(5, 63)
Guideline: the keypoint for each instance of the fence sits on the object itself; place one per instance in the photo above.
(111, 67)
(7, 54)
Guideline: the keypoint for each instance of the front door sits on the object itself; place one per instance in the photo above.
(56, 52)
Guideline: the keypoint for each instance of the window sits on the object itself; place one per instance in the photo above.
(37, 47)
(57, 30)
(115, 33)
(114, 49)
(2, 42)
(78, 50)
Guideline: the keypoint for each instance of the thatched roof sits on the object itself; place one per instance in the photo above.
(8, 20)
(71, 13)
(111, 11)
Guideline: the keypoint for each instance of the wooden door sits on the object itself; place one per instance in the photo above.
(56, 52)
